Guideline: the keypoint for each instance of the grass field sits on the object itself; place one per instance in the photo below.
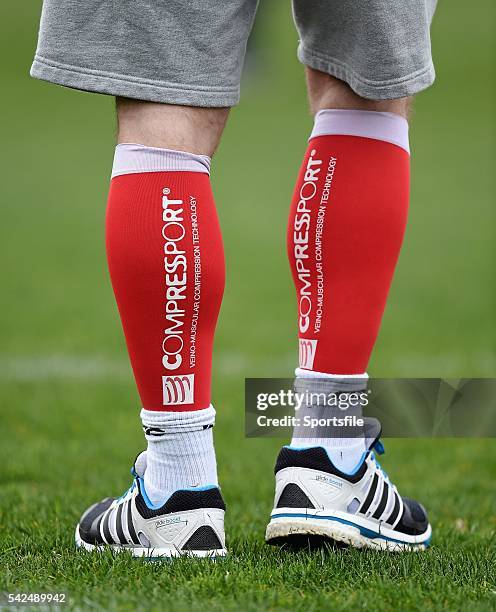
(65, 382)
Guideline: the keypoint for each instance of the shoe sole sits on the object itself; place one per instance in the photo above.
(292, 524)
(149, 553)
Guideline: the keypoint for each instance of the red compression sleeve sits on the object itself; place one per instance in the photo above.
(346, 227)
(166, 263)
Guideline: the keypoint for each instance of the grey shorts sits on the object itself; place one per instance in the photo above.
(192, 52)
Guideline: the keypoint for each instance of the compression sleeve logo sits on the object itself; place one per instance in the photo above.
(176, 278)
(301, 239)
(307, 353)
(178, 389)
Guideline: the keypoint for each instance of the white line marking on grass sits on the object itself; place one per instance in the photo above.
(45, 367)
(237, 364)
(229, 364)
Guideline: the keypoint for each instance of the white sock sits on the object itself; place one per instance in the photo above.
(180, 453)
(344, 452)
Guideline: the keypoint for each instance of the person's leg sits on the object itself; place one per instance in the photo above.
(345, 231)
(363, 64)
(163, 241)
(346, 227)
(166, 263)
(328, 92)
(180, 128)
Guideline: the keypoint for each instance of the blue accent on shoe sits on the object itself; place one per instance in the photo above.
(379, 447)
(126, 492)
(380, 467)
(368, 533)
(153, 506)
(204, 488)
(353, 471)
(148, 502)
(358, 465)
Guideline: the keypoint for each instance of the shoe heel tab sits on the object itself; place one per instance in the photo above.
(181, 501)
(194, 498)
(316, 458)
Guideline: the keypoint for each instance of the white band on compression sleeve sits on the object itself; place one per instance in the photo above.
(135, 158)
(367, 124)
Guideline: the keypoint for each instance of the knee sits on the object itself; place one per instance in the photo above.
(183, 128)
(325, 91)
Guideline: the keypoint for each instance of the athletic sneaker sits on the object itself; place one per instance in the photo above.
(362, 509)
(189, 523)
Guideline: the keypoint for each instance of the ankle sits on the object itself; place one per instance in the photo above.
(180, 452)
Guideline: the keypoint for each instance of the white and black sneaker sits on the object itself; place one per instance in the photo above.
(363, 509)
(189, 523)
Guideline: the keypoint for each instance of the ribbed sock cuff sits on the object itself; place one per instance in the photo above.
(320, 382)
(157, 424)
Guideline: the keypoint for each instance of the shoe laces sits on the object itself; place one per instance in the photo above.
(378, 448)
(127, 493)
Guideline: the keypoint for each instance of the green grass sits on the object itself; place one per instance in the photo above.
(46, 488)
(65, 381)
